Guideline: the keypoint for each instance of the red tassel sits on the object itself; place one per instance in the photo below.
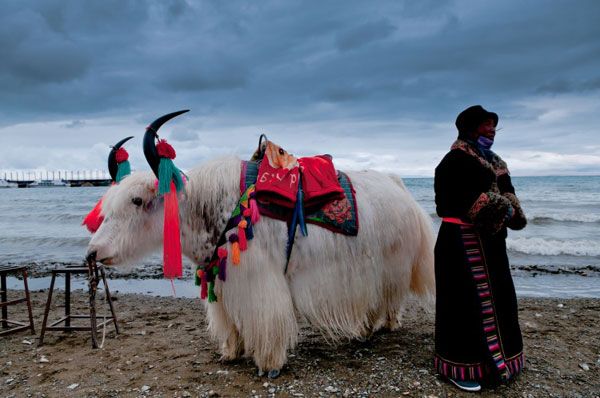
(254, 209)
(172, 242)
(94, 219)
(242, 235)
(204, 286)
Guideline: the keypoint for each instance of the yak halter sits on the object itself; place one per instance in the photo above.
(160, 158)
(118, 168)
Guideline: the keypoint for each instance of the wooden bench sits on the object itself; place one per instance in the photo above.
(94, 273)
(7, 327)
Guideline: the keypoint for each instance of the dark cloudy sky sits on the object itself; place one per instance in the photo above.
(376, 84)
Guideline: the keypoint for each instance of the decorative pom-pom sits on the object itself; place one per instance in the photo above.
(249, 232)
(168, 173)
(222, 252)
(121, 155)
(94, 219)
(223, 268)
(255, 215)
(247, 213)
(204, 288)
(235, 253)
(123, 170)
(172, 267)
(165, 150)
(212, 297)
(242, 235)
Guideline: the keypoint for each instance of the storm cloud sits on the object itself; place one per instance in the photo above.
(374, 84)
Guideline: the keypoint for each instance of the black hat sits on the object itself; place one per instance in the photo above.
(469, 119)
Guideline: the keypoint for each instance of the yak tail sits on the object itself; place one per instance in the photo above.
(422, 282)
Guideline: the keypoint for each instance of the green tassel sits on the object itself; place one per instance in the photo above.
(123, 170)
(167, 172)
(212, 297)
(197, 279)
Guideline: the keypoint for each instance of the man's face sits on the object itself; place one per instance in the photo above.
(487, 129)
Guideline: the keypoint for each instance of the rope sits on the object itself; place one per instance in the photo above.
(103, 332)
(173, 287)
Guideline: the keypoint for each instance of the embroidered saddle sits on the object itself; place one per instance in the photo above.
(334, 209)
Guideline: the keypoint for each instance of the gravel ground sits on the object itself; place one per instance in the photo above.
(164, 351)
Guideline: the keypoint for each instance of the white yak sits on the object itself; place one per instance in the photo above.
(345, 286)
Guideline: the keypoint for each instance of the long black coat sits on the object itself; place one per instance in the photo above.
(477, 334)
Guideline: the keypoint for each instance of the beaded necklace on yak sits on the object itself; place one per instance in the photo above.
(244, 216)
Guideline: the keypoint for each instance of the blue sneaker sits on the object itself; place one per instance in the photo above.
(466, 385)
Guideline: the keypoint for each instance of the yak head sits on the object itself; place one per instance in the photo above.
(133, 221)
(132, 210)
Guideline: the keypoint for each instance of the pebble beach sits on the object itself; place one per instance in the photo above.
(163, 350)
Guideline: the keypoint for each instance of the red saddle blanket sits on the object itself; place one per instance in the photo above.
(279, 185)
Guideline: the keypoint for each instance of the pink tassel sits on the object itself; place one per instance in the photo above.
(242, 235)
(94, 219)
(254, 209)
(172, 242)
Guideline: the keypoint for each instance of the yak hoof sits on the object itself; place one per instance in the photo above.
(261, 373)
(273, 373)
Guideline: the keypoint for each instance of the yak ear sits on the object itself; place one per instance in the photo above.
(113, 167)
(150, 137)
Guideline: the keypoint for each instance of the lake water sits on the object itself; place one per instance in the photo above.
(42, 226)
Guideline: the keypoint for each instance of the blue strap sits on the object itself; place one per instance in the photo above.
(297, 218)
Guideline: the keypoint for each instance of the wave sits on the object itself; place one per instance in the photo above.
(554, 247)
(54, 242)
(577, 218)
(44, 218)
(555, 218)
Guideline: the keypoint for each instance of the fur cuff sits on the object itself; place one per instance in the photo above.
(488, 213)
(518, 220)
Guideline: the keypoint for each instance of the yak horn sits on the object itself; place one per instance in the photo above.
(150, 136)
(112, 161)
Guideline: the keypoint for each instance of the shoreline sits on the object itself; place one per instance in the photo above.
(164, 350)
(530, 281)
(154, 270)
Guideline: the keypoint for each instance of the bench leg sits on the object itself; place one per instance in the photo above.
(47, 310)
(4, 300)
(28, 297)
(67, 299)
(93, 284)
(109, 299)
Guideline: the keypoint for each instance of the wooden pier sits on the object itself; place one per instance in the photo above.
(52, 179)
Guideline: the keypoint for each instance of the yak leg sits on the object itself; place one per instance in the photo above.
(256, 295)
(223, 330)
(396, 290)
